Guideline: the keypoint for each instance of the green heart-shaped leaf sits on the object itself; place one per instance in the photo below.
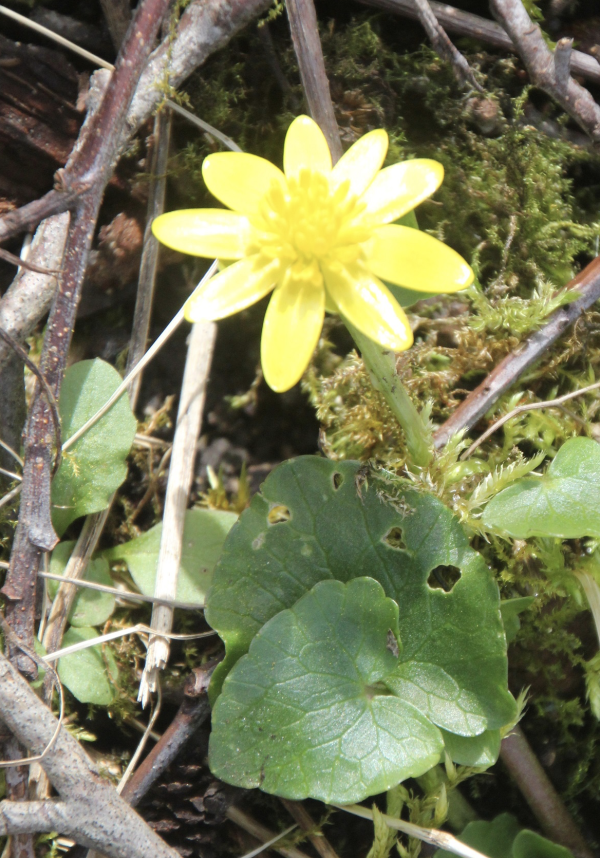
(94, 467)
(565, 502)
(90, 607)
(204, 533)
(307, 712)
(90, 673)
(311, 523)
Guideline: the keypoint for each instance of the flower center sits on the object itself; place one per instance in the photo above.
(310, 221)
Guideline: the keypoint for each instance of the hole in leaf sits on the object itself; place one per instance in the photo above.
(278, 514)
(394, 539)
(443, 578)
(392, 644)
(338, 479)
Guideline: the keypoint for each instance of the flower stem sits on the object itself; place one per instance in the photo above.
(380, 363)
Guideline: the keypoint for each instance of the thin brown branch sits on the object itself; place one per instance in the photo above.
(194, 709)
(23, 263)
(444, 47)
(480, 400)
(309, 52)
(522, 409)
(549, 809)
(482, 29)
(300, 814)
(541, 63)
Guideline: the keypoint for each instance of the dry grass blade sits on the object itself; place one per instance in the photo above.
(181, 472)
(121, 594)
(441, 839)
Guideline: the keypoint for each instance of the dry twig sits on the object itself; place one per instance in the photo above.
(480, 400)
(475, 27)
(548, 71)
(521, 409)
(89, 810)
(444, 47)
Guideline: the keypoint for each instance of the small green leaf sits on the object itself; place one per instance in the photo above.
(90, 673)
(565, 502)
(204, 533)
(307, 712)
(482, 750)
(95, 466)
(91, 607)
(510, 610)
(528, 844)
(310, 524)
(503, 838)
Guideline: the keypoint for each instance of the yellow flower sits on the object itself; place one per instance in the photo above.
(319, 238)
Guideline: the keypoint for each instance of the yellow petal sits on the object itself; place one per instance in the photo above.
(292, 327)
(415, 260)
(361, 163)
(368, 305)
(305, 146)
(203, 232)
(239, 180)
(400, 188)
(231, 290)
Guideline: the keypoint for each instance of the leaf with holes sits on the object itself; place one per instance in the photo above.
(204, 533)
(90, 673)
(565, 502)
(308, 712)
(90, 607)
(311, 523)
(94, 467)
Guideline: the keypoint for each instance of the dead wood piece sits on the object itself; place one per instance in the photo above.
(466, 24)
(90, 810)
(444, 47)
(480, 400)
(39, 120)
(546, 69)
